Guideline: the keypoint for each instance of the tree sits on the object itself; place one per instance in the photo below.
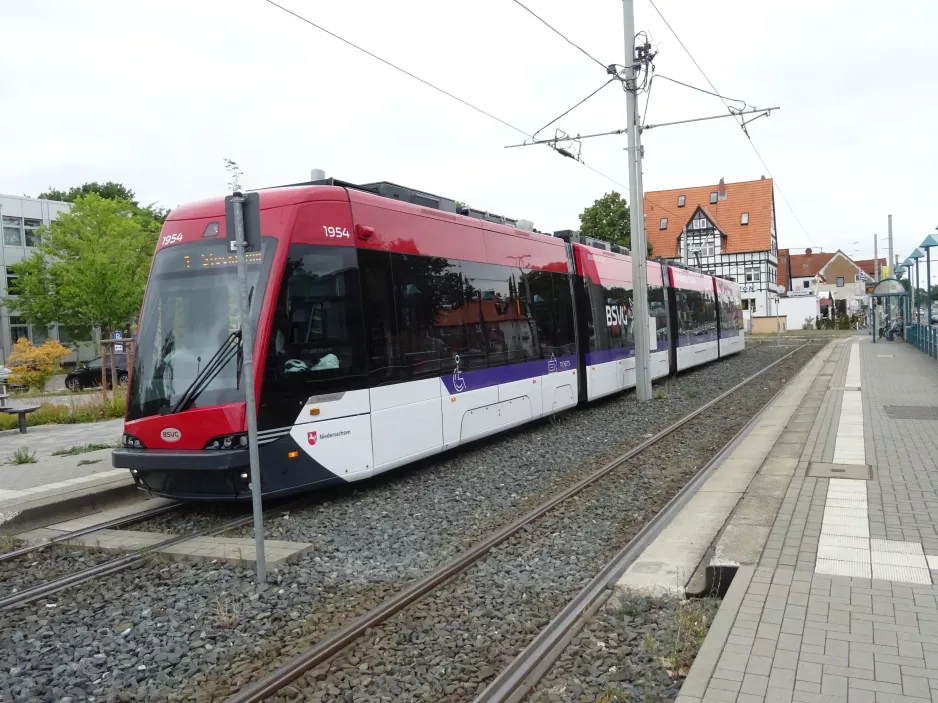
(90, 268)
(234, 175)
(608, 219)
(109, 191)
(34, 366)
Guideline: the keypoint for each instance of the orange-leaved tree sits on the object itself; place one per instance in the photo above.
(33, 366)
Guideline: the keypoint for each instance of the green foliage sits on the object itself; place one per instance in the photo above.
(81, 449)
(676, 647)
(53, 414)
(109, 191)
(91, 267)
(608, 219)
(23, 456)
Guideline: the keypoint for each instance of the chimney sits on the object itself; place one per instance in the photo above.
(763, 177)
(722, 190)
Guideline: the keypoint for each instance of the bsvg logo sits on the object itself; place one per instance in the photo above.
(171, 434)
(311, 438)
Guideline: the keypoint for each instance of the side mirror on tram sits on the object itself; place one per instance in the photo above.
(251, 213)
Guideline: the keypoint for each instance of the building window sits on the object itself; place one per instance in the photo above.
(664, 223)
(840, 281)
(700, 223)
(11, 284)
(12, 231)
(681, 200)
(19, 328)
(713, 197)
(856, 277)
(752, 274)
(744, 218)
(32, 236)
(707, 248)
(746, 302)
(806, 284)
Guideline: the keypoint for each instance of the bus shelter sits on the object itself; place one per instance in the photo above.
(892, 291)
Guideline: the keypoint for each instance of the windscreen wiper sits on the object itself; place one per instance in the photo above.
(228, 349)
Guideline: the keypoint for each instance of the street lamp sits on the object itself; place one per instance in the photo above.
(927, 245)
(915, 256)
(900, 269)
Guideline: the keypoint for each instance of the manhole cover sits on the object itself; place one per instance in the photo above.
(820, 469)
(912, 412)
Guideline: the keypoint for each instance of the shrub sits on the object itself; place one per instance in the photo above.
(53, 414)
(23, 456)
(33, 366)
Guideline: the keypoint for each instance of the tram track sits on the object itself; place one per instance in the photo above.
(66, 537)
(339, 640)
(125, 561)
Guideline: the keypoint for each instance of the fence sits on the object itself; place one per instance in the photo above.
(924, 337)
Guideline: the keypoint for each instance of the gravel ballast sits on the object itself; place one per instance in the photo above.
(183, 631)
(640, 650)
(452, 642)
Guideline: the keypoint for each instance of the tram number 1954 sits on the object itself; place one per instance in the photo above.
(333, 232)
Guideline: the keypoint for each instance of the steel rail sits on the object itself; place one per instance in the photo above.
(514, 682)
(266, 686)
(107, 524)
(109, 567)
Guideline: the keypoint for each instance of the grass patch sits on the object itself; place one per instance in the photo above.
(23, 456)
(53, 414)
(661, 393)
(614, 696)
(81, 449)
(676, 646)
(7, 541)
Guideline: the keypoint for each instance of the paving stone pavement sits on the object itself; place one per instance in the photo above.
(793, 634)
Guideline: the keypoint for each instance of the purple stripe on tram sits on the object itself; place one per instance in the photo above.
(461, 381)
(689, 340)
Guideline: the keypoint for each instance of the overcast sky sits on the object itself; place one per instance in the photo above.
(157, 94)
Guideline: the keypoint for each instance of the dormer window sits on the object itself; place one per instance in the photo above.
(664, 223)
(744, 218)
(681, 200)
(713, 197)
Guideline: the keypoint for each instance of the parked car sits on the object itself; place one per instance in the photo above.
(88, 375)
(5, 374)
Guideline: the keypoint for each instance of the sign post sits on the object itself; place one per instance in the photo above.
(778, 323)
(243, 216)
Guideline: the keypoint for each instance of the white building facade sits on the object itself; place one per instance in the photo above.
(20, 221)
(727, 230)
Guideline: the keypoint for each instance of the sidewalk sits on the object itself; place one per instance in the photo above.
(839, 604)
(60, 486)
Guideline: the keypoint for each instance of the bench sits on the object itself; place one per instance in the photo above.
(22, 412)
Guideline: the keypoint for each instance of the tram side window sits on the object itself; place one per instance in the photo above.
(316, 343)
(381, 333)
(657, 310)
(696, 315)
(552, 308)
(499, 296)
(428, 303)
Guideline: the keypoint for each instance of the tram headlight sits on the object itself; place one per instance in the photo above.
(228, 441)
(131, 442)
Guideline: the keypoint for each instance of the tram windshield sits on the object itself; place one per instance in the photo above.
(190, 310)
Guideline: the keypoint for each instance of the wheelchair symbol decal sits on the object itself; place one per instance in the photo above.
(552, 364)
(459, 384)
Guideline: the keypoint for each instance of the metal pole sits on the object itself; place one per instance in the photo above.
(875, 279)
(891, 264)
(928, 280)
(247, 349)
(778, 324)
(915, 301)
(637, 216)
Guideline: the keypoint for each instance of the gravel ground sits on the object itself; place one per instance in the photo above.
(195, 629)
(447, 646)
(639, 651)
(51, 563)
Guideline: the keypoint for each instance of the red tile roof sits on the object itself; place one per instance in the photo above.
(867, 265)
(784, 273)
(804, 265)
(754, 197)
